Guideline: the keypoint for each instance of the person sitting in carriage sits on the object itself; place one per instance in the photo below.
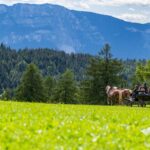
(143, 89)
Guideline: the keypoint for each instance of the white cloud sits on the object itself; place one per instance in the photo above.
(131, 9)
(120, 2)
(133, 17)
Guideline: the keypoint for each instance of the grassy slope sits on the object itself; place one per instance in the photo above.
(42, 126)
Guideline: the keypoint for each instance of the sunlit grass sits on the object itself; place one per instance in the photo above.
(44, 126)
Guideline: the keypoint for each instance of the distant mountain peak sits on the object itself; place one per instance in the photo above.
(54, 26)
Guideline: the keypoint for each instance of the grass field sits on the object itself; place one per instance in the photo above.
(27, 126)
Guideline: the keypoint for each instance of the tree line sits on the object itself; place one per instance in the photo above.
(44, 75)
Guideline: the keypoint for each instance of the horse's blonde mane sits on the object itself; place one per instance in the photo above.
(108, 87)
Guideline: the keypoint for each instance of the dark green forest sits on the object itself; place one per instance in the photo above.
(51, 62)
(87, 72)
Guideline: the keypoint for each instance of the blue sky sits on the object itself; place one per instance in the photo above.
(129, 10)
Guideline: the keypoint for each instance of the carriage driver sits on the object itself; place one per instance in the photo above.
(135, 91)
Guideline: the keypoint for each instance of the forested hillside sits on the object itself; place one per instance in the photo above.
(51, 62)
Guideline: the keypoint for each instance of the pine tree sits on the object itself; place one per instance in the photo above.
(31, 87)
(49, 84)
(142, 73)
(65, 91)
(6, 95)
(102, 71)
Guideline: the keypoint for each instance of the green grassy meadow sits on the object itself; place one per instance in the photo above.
(33, 126)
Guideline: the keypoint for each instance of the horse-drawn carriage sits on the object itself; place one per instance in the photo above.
(141, 99)
(140, 95)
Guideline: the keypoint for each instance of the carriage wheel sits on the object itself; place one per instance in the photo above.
(142, 103)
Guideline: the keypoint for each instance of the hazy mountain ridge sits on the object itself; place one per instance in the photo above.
(52, 26)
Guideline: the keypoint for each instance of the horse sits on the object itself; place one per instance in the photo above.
(113, 94)
(126, 94)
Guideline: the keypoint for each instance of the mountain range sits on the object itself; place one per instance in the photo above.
(53, 26)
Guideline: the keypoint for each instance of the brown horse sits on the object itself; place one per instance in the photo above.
(113, 95)
(125, 93)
